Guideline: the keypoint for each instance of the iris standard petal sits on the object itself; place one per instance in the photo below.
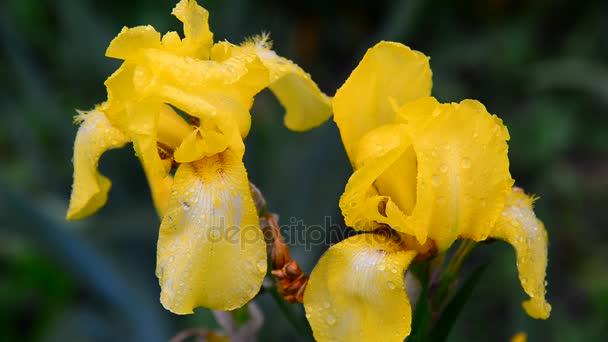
(356, 291)
(198, 38)
(385, 165)
(90, 188)
(519, 226)
(463, 169)
(130, 42)
(203, 88)
(211, 250)
(387, 71)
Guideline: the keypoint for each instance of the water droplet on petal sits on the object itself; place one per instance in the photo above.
(436, 180)
(390, 285)
(381, 267)
(331, 319)
(261, 265)
(443, 168)
(326, 305)
(465, 163)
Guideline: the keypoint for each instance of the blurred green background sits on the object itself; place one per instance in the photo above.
(541, 65)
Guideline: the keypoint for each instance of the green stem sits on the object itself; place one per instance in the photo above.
(291, 316)
(450, 275)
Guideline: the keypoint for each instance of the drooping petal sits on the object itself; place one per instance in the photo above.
(306, 106)
(156, 170)
(211, 250)
(519, 226)
(198, 38)
(356, 291)
(463, 169)
(90, 189)
(382, 188)
(387, 71)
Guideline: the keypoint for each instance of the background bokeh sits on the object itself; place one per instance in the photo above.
(541, 65)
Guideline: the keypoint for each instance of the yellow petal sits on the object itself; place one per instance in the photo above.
(306, 106)
(130, 41)
(191, 149)
(519, 226)
(387, 71)
(356, 291)
(210, 139)
(90, 189)
(198, 39)
(197, 42)
(211, 251)
(203, 88)
(463, 169)
(120, 93)
(156, 170)
(520, 337)
(382, 189)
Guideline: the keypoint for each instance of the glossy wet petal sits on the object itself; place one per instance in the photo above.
(90, 189)
(519, 226)
(211, 251)
(382, 188)
(463, 169)
(356, 292)
(387, 71)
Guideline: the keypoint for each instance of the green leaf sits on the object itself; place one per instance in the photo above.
(421, 321)
(452, 310)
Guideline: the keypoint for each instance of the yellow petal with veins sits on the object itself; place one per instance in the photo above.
(519, 226)
(382, 188)
(211, 250)
(463, 169)
(90, 189)
(356, 292)
(387, 71)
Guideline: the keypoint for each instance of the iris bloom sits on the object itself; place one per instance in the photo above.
(211, 251)
(433, 173)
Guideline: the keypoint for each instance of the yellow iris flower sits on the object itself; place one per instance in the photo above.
(432, 173)
(211, 251)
